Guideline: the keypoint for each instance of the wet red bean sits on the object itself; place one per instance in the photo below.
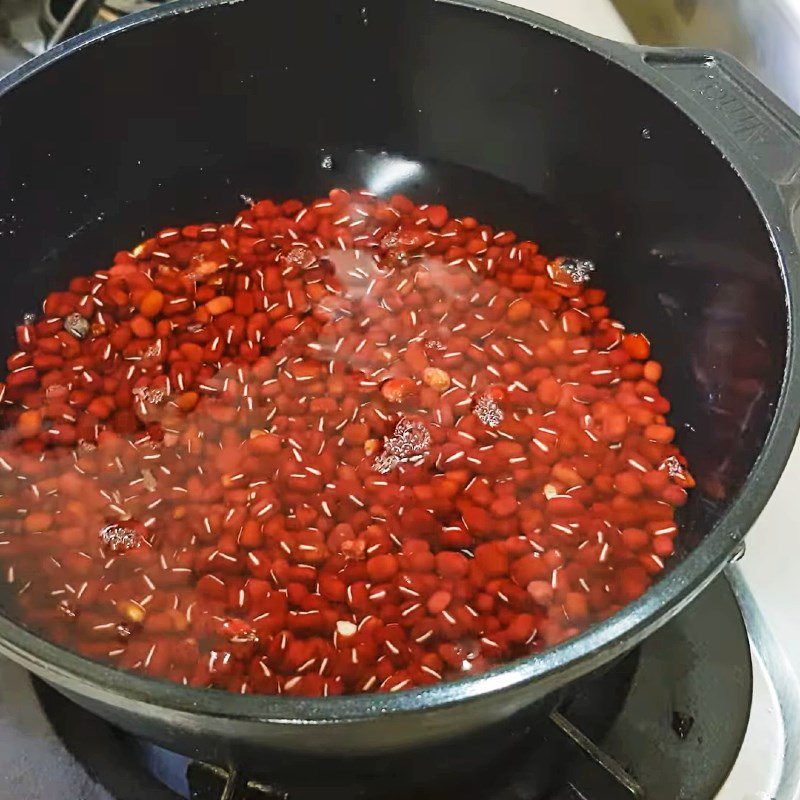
(348, 446)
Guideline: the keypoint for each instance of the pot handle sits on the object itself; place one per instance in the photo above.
(738, 109)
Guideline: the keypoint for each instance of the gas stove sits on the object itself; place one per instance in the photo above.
(707, 709)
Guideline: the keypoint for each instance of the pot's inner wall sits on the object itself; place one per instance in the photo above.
(170, 122)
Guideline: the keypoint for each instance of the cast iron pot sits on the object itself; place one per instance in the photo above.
(674, 170)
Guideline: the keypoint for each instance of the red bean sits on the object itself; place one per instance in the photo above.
(437, 215)
(635, 538)
(628, 483)
(549, 392)
(637, 345)
(438, 602)
(323, 474)
(382, 568)
(632, 583)
(576, 607)
(542, 592)
(663, 546)
(151, 304)
(662, 434)
(491, 559)
(452, 565)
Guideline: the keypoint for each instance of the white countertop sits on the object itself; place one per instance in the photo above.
(770, 564)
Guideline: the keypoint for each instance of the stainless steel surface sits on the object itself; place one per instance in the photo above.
(763, 34)
(769, 763)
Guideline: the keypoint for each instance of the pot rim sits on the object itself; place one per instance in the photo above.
(559, 664)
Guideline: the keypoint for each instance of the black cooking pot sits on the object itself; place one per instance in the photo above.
(674, 170)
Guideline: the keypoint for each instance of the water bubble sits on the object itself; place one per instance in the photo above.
(147, 394)
(390, 240)
(124, 631)
(299, 256)
(646, 133)
(435, 344)
(488, 412)
(77, 325)
(410, 440)
(327, 161)
(385, 463)
(364, 18)
(154, 350)
(119, 538)
(68, 608)
(673, 467)
(578, 269)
